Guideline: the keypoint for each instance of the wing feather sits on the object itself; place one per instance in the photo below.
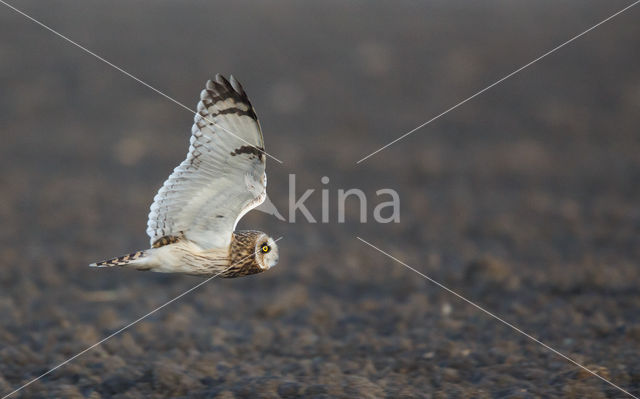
(223, 176)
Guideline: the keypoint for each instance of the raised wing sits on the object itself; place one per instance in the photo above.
(223, 176)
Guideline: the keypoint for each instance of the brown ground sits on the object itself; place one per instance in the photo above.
(526, 200)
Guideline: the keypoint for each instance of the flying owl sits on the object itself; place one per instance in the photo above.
(194, 215)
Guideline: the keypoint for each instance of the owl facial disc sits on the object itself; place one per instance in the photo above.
(266, 252)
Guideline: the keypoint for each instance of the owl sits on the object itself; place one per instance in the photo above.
(193, 217)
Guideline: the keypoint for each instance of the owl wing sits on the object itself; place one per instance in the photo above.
(223, 176)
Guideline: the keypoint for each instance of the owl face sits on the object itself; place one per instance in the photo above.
(266, 252)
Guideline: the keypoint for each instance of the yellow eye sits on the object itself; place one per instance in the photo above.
(265, 248)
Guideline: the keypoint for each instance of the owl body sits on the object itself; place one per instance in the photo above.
(193, 217)
(250, 252)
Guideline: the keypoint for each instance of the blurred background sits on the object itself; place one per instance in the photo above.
(526, 199)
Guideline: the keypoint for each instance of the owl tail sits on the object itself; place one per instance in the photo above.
(121, 260)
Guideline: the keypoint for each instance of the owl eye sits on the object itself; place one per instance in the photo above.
(266, 248)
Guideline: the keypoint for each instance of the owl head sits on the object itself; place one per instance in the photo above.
(251, 252)
(266, 252)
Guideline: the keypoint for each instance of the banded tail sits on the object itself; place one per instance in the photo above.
(120, 260)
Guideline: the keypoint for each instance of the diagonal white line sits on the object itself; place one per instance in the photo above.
(130, 75)
(501, 80)
(127, 326)
(496, 317)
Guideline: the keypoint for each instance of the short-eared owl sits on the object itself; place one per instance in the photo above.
(194, 215)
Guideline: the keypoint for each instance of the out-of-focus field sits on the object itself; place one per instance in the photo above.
(526, 199)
